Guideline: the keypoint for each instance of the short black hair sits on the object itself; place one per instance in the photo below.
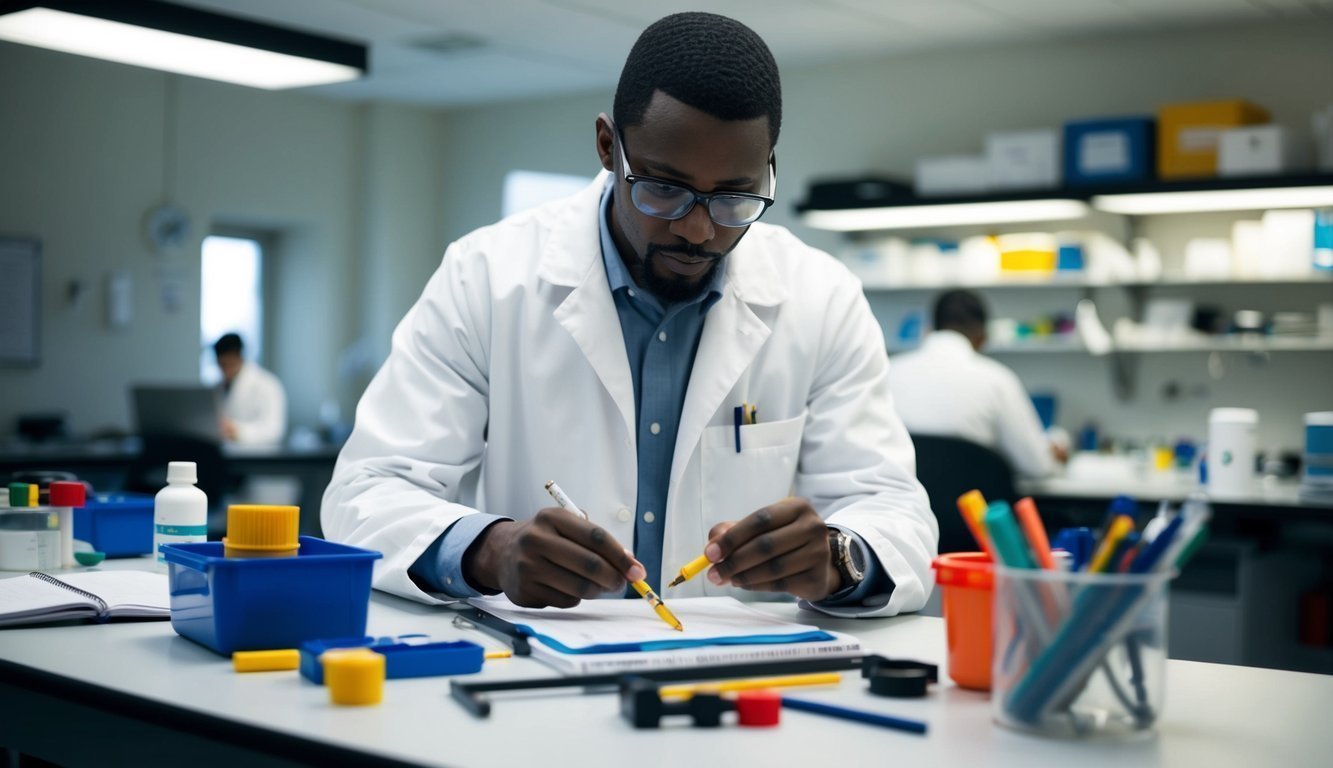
(710, 62)
(961, 311)
(228, 344)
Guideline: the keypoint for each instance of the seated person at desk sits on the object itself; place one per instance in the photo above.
(948, 388)
(609, 341)
(254, 406)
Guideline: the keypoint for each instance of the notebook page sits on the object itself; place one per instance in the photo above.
(23, 597)
(127, 593)
(594, 625)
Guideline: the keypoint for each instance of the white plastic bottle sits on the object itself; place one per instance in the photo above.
(180, 511)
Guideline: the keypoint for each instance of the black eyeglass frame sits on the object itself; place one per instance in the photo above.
(699, 197)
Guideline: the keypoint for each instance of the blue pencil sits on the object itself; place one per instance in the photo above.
(873, 718)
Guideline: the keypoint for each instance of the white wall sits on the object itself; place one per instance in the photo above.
(365, 198)
(348, 193)
(880, 115)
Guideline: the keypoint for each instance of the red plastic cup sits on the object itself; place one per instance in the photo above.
(967, 585)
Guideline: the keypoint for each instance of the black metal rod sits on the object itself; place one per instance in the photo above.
(471, 695)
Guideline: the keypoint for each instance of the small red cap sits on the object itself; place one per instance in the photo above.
(759, 708)
(67, 494)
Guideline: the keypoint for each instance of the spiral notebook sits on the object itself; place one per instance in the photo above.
(612, 635)
(97, 595)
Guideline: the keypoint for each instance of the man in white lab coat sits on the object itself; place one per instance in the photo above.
(254, 406)
(614, 342)
(947, 387)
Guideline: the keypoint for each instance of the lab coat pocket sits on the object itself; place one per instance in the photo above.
(736, 484)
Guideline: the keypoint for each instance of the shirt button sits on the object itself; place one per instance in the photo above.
(654, 427)
(624, 515)
(449, 580)
(661, 336)
(648, 517)
(631, 293)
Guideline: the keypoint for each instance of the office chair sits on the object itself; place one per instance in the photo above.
(948, 467)
(147, 473)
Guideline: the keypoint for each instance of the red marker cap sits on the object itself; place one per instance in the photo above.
(66, 494)
(759, 709)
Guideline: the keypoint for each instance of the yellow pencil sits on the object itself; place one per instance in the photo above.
(691, 569)
(1119, 528)
(498, 654)
(785, 681)
(645, 591)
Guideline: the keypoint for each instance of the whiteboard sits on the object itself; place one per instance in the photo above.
(20, 301)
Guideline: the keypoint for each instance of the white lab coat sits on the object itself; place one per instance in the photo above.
(511, 370)
(257, 405)
(946, 388)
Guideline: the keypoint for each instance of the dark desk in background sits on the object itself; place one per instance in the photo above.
(104, 463)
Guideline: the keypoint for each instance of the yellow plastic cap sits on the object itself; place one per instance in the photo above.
(354, 676)
(259, 529)
(266, 661)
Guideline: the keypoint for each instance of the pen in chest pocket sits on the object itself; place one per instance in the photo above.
(742, 415)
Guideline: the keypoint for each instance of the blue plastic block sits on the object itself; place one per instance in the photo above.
(403, 656)
(233, 604)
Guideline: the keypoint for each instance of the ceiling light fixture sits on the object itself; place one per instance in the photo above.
(173, 38)
(943, 214)
(1199, 201)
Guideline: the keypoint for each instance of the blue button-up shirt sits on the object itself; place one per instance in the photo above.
(660, 343)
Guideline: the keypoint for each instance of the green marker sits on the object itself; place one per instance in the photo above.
(1006, 537)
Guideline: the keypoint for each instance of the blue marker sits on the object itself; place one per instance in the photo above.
(873, 718)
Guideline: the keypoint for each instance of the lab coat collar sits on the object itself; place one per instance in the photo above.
(948, 342)
(574, 251)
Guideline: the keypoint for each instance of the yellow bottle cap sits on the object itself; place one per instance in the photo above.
(259, 530)
(266, 661)
(354, 676)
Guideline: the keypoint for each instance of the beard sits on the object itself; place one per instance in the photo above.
(670, 287)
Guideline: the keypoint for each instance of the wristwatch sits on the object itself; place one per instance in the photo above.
(847, 558)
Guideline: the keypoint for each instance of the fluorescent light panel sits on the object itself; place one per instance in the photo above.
(168, 51)
(944, 215)
(1215, 200)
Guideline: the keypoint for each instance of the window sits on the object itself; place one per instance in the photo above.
(529, 189)
(231, 299)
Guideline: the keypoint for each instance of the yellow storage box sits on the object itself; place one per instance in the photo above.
(1187, 135)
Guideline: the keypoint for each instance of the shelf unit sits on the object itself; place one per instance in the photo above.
(1062, 345)
(1312, 190)
(1058, 281)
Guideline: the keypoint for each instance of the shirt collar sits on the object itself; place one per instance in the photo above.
(617, 274)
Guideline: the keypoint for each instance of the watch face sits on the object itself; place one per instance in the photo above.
(855, 555)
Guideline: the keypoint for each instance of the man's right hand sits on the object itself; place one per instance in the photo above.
(554, 559)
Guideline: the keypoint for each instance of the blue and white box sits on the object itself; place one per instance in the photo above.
(1109, 150)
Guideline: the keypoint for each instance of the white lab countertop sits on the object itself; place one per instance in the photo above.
(1215, 715)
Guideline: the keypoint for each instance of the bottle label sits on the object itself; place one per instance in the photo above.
(182, 530)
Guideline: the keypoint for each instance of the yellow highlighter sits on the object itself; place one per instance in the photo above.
(691, 569)
(784, 681)
(645, 591)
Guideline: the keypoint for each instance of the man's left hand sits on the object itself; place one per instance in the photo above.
(783, 547)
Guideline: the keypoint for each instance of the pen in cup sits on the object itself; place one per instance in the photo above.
(645, 591)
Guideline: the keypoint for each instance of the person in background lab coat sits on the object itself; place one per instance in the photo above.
(254, 408)
(948, 388)
(605, 341)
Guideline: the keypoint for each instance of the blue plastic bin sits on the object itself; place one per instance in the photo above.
(119, 524)
(1112, 150)
(257, 604)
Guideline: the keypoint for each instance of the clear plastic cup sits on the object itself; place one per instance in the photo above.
(1079, 654)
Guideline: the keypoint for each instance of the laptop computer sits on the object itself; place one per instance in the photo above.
(192, 411)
